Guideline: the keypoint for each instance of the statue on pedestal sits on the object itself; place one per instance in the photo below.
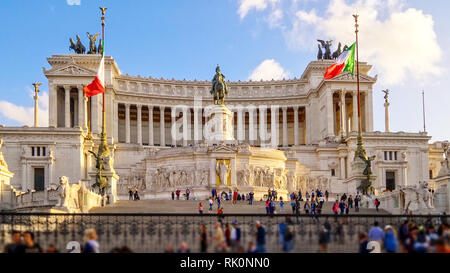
(219, 87)
(92, 39)
(366, 186)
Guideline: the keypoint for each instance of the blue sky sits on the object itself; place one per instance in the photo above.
(404, 40)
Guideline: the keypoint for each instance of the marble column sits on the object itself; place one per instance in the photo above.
(150, 126)
(24, 176)
(240, 124)
(342, 163)
(67, 106)
(307, 124)
(262, 124)
(185, 125)
(80, 106)
(330, 114)
(355, 112)
(386, 116)
(343, 114)
(173, 127)
(212, 173)
(52, 107)
(116, 121)
(369, 111)
(36, 109)
(285, 135)
(251, 125)
(162, 126)
(85, 121)
(196, 128)
(296, 125)
(274, 125)
(139, 124)
(127, 123)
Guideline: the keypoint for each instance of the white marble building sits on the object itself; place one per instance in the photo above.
(307, 117)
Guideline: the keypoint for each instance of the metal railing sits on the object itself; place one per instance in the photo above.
(156, 232)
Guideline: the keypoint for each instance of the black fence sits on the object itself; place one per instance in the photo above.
(156, 232)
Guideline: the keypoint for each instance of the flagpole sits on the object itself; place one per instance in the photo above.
(360, 152)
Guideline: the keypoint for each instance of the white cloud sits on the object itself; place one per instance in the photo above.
(269, 69)
(73, 2)
(25, 115)
(400, 42)
(246, 5)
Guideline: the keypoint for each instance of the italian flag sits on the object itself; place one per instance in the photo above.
(345, 62)
(98, 84)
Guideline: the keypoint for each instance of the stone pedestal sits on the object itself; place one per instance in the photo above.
(219, 126)
(354, 181)
(441, 197)
(112, 178)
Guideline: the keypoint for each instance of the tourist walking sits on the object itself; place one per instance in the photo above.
(326, 195)
(90, 241)
(281, 204)
(211, 202)
(376, 233)
(260, 238)
(178, 194)
(203, 239)
(357, 199)
(342, 206)
(377, 203)
(173, 195)
(218, 237)
(267, 207)
(250, 200)
(336, 207)
(390, 241)
(306, 206)
(200, 208)
(235, 236)
(130, 193)
(293, 205)
(187, 193)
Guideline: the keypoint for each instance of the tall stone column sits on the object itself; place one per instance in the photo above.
(262, 124)
(127, 123)
(85, 121)
(67, 106)
(196, 128)
(386, 116)
(24, 175)
(240, 123)
(307, 124)
(174, 128)
(295, 125)
(80, 106)
(162, 126)
(53, 104)
(150, 126)
(330, 114)
(343, 114)
(274, 125)
(355, 112)
(285, 135)
(251, 125)
(369, 111)
(139, 124)
(116, 121)
(342, 163)
(185, 126)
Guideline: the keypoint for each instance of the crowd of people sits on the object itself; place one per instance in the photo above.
(133, 194)
(408, 238)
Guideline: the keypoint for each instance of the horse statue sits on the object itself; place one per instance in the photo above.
(77, 47)
(219, 87)
(326, 45)
(80, 47)
(337, 52)
(92, 39)
(319, 53)
(73, 46)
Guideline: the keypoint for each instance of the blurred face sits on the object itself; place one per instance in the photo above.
(16, 237)
(27, 239)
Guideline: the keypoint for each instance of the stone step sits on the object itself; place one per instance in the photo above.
(190, 206)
